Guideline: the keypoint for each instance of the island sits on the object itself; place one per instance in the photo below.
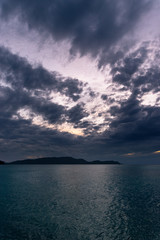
(61, 160)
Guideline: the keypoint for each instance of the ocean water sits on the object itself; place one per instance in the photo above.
(79, 202)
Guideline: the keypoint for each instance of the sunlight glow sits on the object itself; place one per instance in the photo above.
(156, 152)
(129, 154)
(38, 120)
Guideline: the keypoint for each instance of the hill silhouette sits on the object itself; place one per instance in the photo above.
(60, 160)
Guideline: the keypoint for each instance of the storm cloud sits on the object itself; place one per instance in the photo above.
(28, 87)
(21, 74)
(114, 115)
(91, 26)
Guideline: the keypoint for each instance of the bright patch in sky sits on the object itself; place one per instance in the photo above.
(129, 154)
(157, 152)
(151, 99)
(38, 120)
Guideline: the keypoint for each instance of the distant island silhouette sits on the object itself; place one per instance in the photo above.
(1, 162)
(60, 160)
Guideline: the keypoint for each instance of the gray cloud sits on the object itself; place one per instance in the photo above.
(20, 74)
(76, 113)
(21, 138)
(24, 80)
(137, 72)
(134, 122)
(92, 26)
(124, 69)
(14, 100)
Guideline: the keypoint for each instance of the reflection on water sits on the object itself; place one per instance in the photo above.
(79, 202)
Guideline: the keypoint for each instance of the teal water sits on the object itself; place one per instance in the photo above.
(109, 202)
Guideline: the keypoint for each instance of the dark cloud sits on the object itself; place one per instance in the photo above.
(21, 74)
(14, 100)
(20, 138)
(134, 128)
(135, 122)
(124, 70)
(71, 88)
(92, 26)
(132, 125)
(104, 97)
(137, 73)
(76, 113)
(28, 88)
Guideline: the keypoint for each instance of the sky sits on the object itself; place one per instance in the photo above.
(80, 78)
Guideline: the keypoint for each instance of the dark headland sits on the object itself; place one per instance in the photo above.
(61, 160)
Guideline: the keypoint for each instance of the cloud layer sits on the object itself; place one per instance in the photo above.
(44, 113)
(91, 26)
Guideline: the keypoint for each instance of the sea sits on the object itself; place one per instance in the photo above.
(79, 202)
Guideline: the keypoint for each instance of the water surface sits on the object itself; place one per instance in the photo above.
(79, 202)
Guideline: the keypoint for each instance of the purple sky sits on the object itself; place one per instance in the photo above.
(80, 78)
